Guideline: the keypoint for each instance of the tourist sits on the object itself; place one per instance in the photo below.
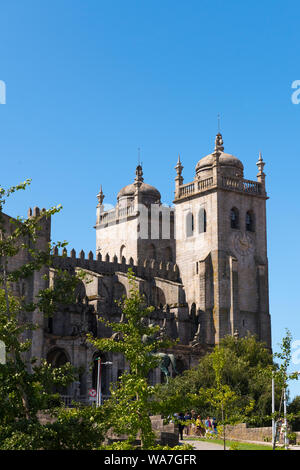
(208, 425)
(214, 426)
(181, 426)
(199, 426)
(187, 417)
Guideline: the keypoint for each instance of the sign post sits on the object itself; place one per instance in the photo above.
(92, 392)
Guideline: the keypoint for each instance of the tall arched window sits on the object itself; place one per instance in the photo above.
(189, 224)
(250, 221)
(202, 221)
(234, 218)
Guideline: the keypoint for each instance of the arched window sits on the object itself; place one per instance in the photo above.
(57, 357)
(193, 311)
(189, 224)
(250, 221)
(122, 252)
(202, 221)
(234, 218)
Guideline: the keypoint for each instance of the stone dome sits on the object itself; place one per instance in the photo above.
(230, 165)
(225, 159)
(149, 193)
(145, 189)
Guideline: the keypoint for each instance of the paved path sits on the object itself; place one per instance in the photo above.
(200, 445)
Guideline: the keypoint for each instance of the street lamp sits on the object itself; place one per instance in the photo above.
(99, 394)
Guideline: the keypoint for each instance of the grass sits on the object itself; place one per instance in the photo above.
(238, 445)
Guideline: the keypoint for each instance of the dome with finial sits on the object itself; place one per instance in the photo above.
(149, 194)
(230, 165)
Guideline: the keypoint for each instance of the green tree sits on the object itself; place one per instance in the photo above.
(229, 406)
(246, 369)
(26, 385)
(282, 377)
(131, 401)
(294, 410)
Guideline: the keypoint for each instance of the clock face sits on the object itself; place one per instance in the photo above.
(243, 243)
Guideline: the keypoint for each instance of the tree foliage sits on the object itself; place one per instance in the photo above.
(246, 371)
(26, 385)
(131, 401)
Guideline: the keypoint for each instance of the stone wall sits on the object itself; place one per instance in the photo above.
(166, 434)
(243, 432)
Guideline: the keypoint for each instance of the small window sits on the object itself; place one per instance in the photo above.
(234, 218)
(250, 221)
(189, 224)
(202, 221)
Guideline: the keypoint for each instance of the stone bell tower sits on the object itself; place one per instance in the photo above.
(221, 247)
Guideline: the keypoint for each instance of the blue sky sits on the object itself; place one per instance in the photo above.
(88, 82)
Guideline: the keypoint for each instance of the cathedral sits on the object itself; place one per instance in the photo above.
(202, 263)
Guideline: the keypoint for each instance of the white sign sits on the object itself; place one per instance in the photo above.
(92, 392)
(2, 353)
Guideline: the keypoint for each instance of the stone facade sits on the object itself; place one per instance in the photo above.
(201, 263)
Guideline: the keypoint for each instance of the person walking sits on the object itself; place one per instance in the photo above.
(214, 426)
(187, 417)
(199, 426)
(208, 425)
(181, 426)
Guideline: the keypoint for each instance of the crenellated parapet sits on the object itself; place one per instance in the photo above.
(145, 269)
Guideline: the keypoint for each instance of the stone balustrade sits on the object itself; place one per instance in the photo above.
(225, 182)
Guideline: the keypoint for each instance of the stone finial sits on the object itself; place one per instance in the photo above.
(82, 254)
(179, 177)
(55, 251)
(260, 164)
(100, 196)
(29, 213)
(219, 147)
(99, 256)
(138, 176)
(90, 256)
(73, 253)
(178, 167)
(64, 252)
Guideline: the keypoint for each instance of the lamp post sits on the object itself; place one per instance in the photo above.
(273, 411)
(99, 394)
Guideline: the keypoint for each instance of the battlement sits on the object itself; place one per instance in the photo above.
(146, 269)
